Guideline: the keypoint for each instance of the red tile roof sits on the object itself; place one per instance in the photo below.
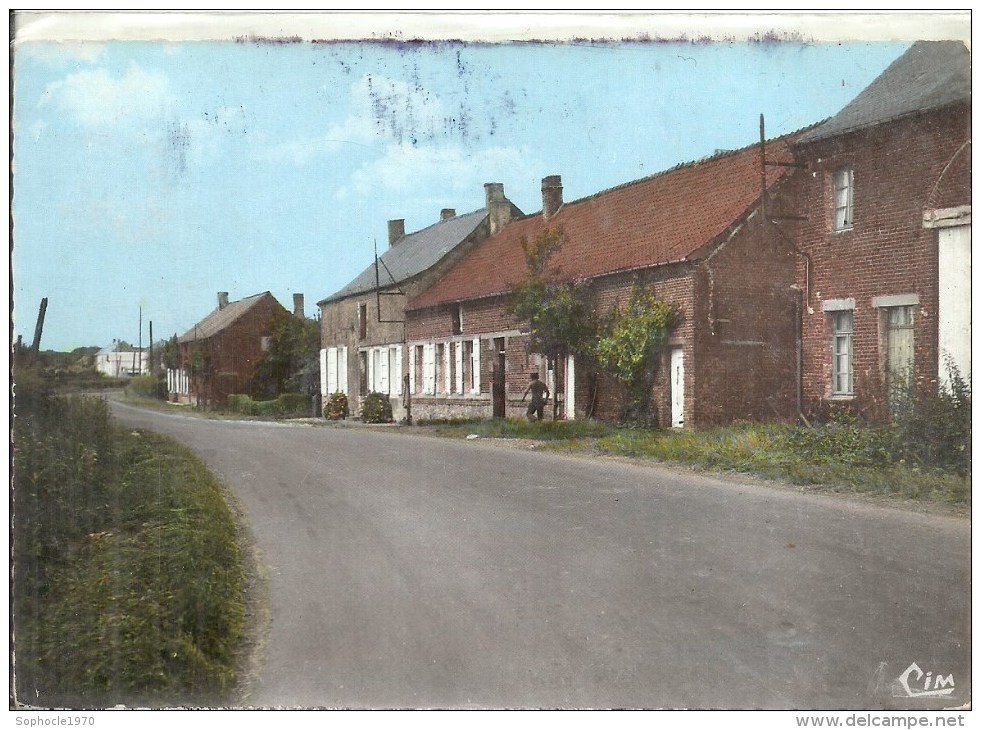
(658, 220)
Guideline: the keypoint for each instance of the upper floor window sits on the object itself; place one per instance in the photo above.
(362, 321)
(458, 319)
(844, 198)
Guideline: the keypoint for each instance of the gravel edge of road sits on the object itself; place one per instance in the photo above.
(258, 615)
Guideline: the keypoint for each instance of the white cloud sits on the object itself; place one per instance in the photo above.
(407, 170)
(95, 98)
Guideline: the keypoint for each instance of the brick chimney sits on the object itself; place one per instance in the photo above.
(551, 195)
(498, 207)
(222, 299)
(396, 230)
(298, 305)
(447, 213)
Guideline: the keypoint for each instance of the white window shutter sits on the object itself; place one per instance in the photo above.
(383, 370)
(342, 370)
(429, 353)
(458, 351)
(396, 353)
(475, 366)
(447, 382)
(323, 373)
(332, 370)
(412, 369)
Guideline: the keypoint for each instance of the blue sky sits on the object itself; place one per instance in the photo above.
(155, 174)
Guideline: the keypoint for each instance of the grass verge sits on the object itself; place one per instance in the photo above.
(127, 574)
(827, 459)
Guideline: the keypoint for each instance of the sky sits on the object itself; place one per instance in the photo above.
(150, 174)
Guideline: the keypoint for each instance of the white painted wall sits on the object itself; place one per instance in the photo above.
(955, 301)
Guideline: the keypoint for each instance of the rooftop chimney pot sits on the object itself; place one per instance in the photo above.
(447, 213)
(498, 207)
(396, 230)
(298, 305)
(551, 195)
(222, 299)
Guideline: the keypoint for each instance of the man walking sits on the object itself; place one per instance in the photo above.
(539, 394)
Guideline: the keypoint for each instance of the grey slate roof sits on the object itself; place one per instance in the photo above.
(413, 253)
(219, 319)
(930, 75)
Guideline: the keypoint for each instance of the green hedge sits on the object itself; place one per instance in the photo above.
(147, 386)
(286, 405)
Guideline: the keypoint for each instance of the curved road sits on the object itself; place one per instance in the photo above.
(412, 572)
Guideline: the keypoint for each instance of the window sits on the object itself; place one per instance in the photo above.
(844, 198)
(266, 344)
(841, 377)
(362, 321)
(899, 352)
(440, 368)
(416, 367)
(458, 319)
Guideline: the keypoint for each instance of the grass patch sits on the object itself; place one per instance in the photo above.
(518, 428)
(838, 456)
(127, 574)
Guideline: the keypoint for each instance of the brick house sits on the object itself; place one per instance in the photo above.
(218, 355)
(694, 234)
(885, 260)
(363, 324)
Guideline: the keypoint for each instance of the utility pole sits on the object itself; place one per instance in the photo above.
(36, 345)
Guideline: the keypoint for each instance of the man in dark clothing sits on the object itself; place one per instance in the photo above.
(539, 394)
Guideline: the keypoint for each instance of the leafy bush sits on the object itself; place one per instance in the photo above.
(377, 408)
(934, 430)
(147, 386)
(336, 407)
(242, 404)
(845, 439)
(295, 403)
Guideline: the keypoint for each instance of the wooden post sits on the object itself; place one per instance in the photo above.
(38, 328)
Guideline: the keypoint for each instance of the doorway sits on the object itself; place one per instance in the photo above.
(498, 392)
(677, 387)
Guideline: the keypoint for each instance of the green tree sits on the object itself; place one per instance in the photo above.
(631, 342)
(290, 362)
(558, 313)
(171, 353)
(560, 318)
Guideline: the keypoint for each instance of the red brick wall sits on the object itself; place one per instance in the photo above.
(746, 334)
(670, 283)
(900, 169)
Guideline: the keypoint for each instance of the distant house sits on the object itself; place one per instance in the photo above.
(694, 235)
(885, 260)
(121, 360)
(363, 324)
(219, 354)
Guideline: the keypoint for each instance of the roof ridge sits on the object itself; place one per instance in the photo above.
(688, 163)
(438, 223)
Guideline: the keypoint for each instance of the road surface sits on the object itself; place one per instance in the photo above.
(413, 572)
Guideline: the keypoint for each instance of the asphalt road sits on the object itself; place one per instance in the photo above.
(413, 572)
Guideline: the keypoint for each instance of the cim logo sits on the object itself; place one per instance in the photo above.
(914, 682)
